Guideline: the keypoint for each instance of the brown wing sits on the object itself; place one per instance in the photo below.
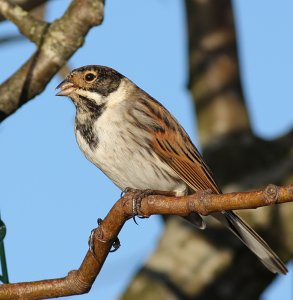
(182, 156)
(173, 145)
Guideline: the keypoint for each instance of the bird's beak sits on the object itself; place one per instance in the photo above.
(66, 88)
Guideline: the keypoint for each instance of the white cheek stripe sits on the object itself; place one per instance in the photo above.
(113, 98)
(92, 95)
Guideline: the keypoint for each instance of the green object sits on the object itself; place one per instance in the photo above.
(4, 275)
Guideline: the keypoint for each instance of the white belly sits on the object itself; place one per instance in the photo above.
(126, 163)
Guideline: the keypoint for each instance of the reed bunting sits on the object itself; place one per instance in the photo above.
(138, 144)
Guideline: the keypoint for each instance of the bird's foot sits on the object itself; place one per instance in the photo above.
(138, 197)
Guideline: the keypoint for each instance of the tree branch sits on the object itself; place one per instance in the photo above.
(59, 41)
(80, 281)
(27, 5)
(29, 26)
(247, 161)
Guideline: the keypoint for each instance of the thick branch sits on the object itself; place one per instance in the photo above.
(61, 39)
(80, 281)
(214, 70)
(29, 26)
(204, 203)
(247, 161)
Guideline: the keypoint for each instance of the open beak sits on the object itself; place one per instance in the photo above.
(66, 88)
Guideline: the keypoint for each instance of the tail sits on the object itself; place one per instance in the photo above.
(252, 240)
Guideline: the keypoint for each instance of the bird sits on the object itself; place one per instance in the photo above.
(135, 141)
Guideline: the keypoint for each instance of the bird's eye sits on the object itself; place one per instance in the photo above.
(89, 77)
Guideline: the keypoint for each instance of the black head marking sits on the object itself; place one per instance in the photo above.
(99, 79)
(92, 107)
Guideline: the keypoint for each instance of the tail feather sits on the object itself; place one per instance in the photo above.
(196, 220)
(252, 240)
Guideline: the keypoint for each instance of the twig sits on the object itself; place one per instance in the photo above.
(80, 281)
(27, 5)
(29, 26)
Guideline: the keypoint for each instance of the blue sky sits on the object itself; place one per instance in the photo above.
(52, 196)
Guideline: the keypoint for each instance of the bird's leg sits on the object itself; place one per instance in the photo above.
(139, 195)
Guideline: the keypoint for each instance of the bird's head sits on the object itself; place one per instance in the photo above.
(90, 85)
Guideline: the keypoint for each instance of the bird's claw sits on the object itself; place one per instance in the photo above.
(116, 245)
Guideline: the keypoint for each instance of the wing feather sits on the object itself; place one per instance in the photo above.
(172, 144)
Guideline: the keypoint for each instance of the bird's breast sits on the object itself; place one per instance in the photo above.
(122, 152)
